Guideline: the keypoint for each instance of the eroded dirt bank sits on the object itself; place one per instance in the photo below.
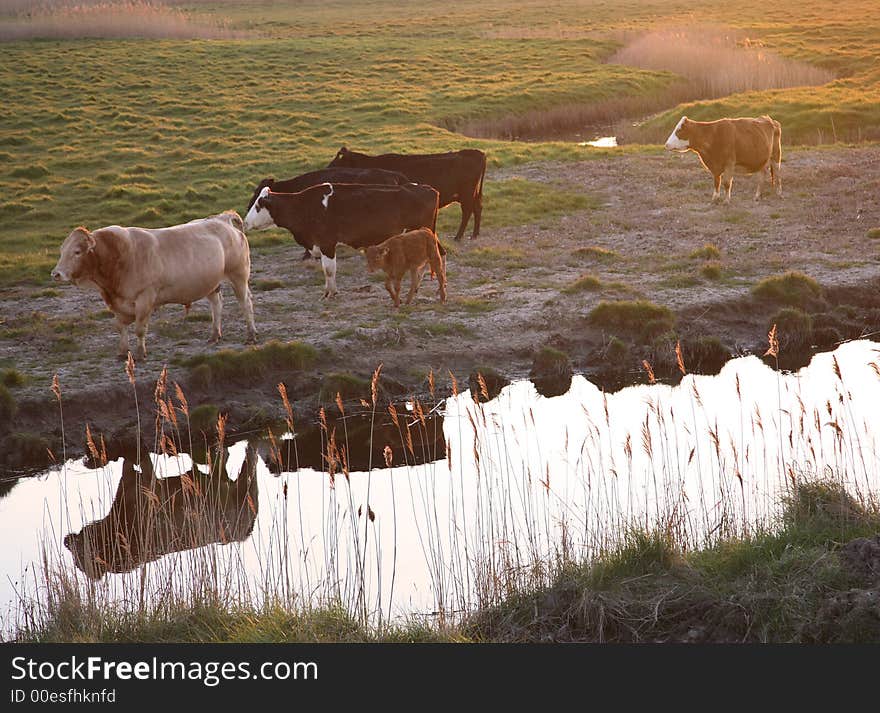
(512, 292)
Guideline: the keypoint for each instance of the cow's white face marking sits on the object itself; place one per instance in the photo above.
(326, 199)
(673, 143)
(259, 218)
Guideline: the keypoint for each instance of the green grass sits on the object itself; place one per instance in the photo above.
(782, 584)
(348, 386)
(792, 288)
(638, 316)
(493, 258)
(249, 365)
(266, 285)
(203, 418)
(126, 138)
(874, 233)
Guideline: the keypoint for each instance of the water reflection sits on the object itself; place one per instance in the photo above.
(474, 494)
(603, 142)
(151, 517)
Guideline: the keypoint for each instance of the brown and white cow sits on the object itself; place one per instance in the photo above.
(733, 146)
(139, 269)
(457, 176)
(408, 252)
(151, 517)
(321, 217)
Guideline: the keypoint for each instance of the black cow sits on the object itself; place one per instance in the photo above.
(377, 176)
(457, 176)
(357, 215)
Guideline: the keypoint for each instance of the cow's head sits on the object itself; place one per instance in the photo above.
(265, 183)
(258, 216)
(376, 257)
(84, 553)
(77, 257)
(679, 138)
(342, 158)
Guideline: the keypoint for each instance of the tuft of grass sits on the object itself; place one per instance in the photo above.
(707, 252)
(494, 258)
(585, 283)
(24, 450)
(874, 233)
(551, 371)
(486, 377)
(8, 406)
(711, 270)
(267, 285)
(348, 386)
(638, 316)
(594, 252)
(249, 365)
(794, 327)
(12, 378)
(203, 418)
(793, 288)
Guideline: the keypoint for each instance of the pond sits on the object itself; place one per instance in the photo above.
(517, 481)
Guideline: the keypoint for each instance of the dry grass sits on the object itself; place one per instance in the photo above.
(123, 18)
(718, 61)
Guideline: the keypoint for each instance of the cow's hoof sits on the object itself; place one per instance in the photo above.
(214, 340)
(122, 357)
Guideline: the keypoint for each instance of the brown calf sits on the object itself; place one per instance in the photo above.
(409, 252)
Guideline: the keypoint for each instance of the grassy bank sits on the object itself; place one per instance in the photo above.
(813, 577)
(102, 131)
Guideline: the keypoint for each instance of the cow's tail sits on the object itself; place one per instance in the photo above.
(776, 157)
(437, 262)
(233, 218)
(479, 195)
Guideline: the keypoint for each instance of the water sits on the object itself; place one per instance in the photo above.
(603, 142)
(523, 478)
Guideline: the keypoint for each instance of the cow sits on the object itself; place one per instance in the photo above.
(730, 146)
(354, 214)
(408, 252)
(457, 176)
(151, 517)
(139, 269)
(375, 176)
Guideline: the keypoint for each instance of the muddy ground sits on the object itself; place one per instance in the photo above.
(509, 295)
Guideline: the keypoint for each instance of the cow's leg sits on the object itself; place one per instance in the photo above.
(243, 295)
(328, 263)
(466, 210)
(415, 279)
(143, 307)
(122, 328)
(478, 214)
(215, 299)
(728, 179)
(716, 194)
(775, 178)
(395, 295)
(762, 176)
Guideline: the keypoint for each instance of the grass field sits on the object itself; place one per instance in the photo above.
(128, 131)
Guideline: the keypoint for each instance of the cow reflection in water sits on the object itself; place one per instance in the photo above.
(151, 517)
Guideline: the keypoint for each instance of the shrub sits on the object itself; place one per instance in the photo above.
(12, 378)
(640, 316)
(711, 270)
(585, 283)
(793, 288)
(348, 386)
(794, 327)
(249, 365)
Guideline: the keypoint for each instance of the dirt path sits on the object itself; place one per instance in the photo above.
(507, 290)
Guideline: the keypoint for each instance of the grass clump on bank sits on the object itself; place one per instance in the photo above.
(585, 283)
(795, 583)
(794, 289)
(348, 386)
(639, 316)
(249, 365)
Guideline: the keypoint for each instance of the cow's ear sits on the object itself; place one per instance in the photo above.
(90, 242)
